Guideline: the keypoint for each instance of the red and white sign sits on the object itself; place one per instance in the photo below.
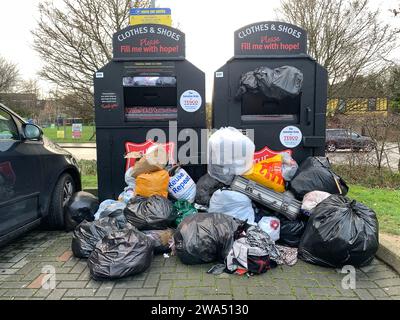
(77, 129)
(143, 147)
(266, 153)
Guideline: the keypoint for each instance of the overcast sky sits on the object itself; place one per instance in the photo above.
(208, 24)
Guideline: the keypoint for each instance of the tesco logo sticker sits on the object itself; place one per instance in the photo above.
(291, 137)
(191, 101)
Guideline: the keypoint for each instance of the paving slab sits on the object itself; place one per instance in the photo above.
(22, 266)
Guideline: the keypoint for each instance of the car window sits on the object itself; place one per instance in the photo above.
(354, 135)
(8, 129)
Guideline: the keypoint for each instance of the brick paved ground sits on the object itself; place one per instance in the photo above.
(21, 276)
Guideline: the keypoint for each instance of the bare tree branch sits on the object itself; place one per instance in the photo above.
(74, 39)
(346, 37)
(9, 75)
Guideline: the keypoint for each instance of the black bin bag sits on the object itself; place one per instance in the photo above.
(82, 206)
(340, 232)
(279, 83)
(153, 213)
(161, 239)
(205, 188)
(315, 174)
(121, 254)
(88, 234)
(291, 231)
(205, 237)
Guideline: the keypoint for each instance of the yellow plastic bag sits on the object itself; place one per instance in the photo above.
(268, 173)
(153, 184)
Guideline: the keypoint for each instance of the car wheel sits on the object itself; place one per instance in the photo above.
(63, 191)
(368, 148)
(331, 147)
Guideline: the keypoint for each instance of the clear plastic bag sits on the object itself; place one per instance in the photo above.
(230, 153)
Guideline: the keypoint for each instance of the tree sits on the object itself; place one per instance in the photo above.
(8, 75)
(74, 40)
(346, 37)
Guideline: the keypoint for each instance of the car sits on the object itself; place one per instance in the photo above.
(37, 178)
(347, 139)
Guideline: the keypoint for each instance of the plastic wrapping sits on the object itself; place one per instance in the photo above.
(312, 199)
(234, 204)
(204, 238)
(315, 174)
(230, 153)
(88, 234)
(289, 167)
(340, 232)
(82, 206)
(121, 254)
(161, 239)
(271, 226)
(183, 210)
(206, 186)
(154, 213)
(268, 173)
(278, 83)
(108, 207)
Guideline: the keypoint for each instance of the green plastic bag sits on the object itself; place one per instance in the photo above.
(184, 209)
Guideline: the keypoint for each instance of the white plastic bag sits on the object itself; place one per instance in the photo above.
(289, 167)
(312, 199)
(230, 153)
(129, 179)
(108, 207)
(181, 186)
(271, 226)
(232, 203)
(129, 191)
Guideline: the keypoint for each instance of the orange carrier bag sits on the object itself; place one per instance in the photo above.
(268, 173)
(153, 184)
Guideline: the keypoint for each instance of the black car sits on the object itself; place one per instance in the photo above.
(346, 139)
(37, 178)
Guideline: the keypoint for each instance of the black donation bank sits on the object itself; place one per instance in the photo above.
(273, 86)
(148, 93)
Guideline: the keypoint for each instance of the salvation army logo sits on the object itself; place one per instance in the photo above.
(291, 137)
(191, 101)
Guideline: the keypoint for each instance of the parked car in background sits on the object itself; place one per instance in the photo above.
(37, 178)
(346, 139)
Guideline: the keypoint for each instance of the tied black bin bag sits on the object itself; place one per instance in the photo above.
(205, 237)
(88, 234)
(291, 231)
(340, 232)
(315, 174)
(278, 83)
(153, 213)
(82, 206)
(121, 254)
(206, 186)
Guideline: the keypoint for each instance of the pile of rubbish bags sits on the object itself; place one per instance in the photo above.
(245, 216)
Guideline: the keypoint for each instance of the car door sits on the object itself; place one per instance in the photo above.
(19, 176)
